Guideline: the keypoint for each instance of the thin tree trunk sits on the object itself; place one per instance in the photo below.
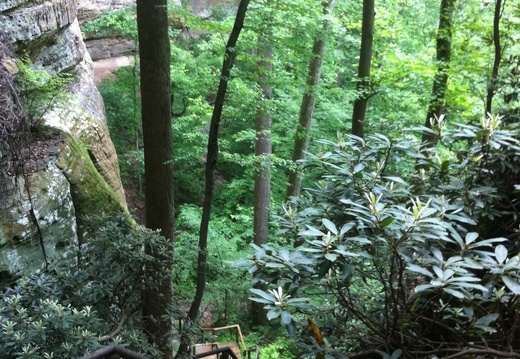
(365, 60)
(263, 150)
(154, 51)
(498, 56)
(440, 80)
(211, 163)
(301, 138)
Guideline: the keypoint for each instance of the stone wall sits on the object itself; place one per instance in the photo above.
(75, 171)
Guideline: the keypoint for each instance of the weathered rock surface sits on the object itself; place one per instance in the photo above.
(107, 47)
(100, 49)
(76, 172)
(49, 207)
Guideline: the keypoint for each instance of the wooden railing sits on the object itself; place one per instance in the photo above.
(114, 349)
(222, 353)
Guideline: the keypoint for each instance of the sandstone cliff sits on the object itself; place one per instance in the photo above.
(75, 170)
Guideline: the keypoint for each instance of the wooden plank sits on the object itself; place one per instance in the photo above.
(203, 348)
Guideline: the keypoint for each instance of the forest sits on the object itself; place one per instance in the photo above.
(339, 178)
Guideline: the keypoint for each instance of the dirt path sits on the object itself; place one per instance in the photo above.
(103, 68)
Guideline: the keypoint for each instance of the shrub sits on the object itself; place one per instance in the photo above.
(89, 299)
(387, 260)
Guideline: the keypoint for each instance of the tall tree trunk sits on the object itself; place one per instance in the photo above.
(301, 138)
(263, 150)
(440, 80)
(498, 56)
(211, 164)
(365, 60)
(154, 52)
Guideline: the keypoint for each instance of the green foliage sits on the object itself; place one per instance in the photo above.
(226, 290)
(39, 90)
(112, 23)
(383, 256)
(123, 111)
(70, 311)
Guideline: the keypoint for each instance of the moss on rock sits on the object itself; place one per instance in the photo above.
(91, 194)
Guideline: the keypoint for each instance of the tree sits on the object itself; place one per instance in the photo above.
(211, 164)
(365, 59)
(263, 150)
(154, 53)
(498, 56)
(440, 81)
(301, 137)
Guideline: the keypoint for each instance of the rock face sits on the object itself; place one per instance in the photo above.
(76, 171)
(107, 48)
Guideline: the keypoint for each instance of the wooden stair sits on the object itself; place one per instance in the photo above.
(234, 346)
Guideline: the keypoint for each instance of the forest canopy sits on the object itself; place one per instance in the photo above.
(402, 240)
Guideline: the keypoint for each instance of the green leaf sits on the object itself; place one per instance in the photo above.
(417, 269)
(331, 257)
(330, 226)
(311, 231)
(359, 167)
(512, 283)
(471, 237)
(487, 319)
(396, 354)
(500, 253)
(285, 318)
(274, 313)
(396, 180)
(455, 293)
(274, 265)
(265, 295)
(385, 222)
(291, 329)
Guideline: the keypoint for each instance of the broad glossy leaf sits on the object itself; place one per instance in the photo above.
(396, 354)
(487, 319)
(260, 300)
(438, 271)
(423, 288)
(512, 283)
(471, 237)
(331, 257)
(421, 270)
(397, 180)
(274, 313)
(437, 254)
(274, 265)
(455, 293)
(500, 253)
(330, 226)
(346, 227)
(359, 167)
(285, 318)
(311, 231)
(291, 329)
(263, 294)
(385, 222)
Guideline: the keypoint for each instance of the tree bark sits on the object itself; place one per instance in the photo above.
(365, 60)
(263, 150)
(301, 138)
(498, 56)
(154, 52)
(440, 80)
(211, 163)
